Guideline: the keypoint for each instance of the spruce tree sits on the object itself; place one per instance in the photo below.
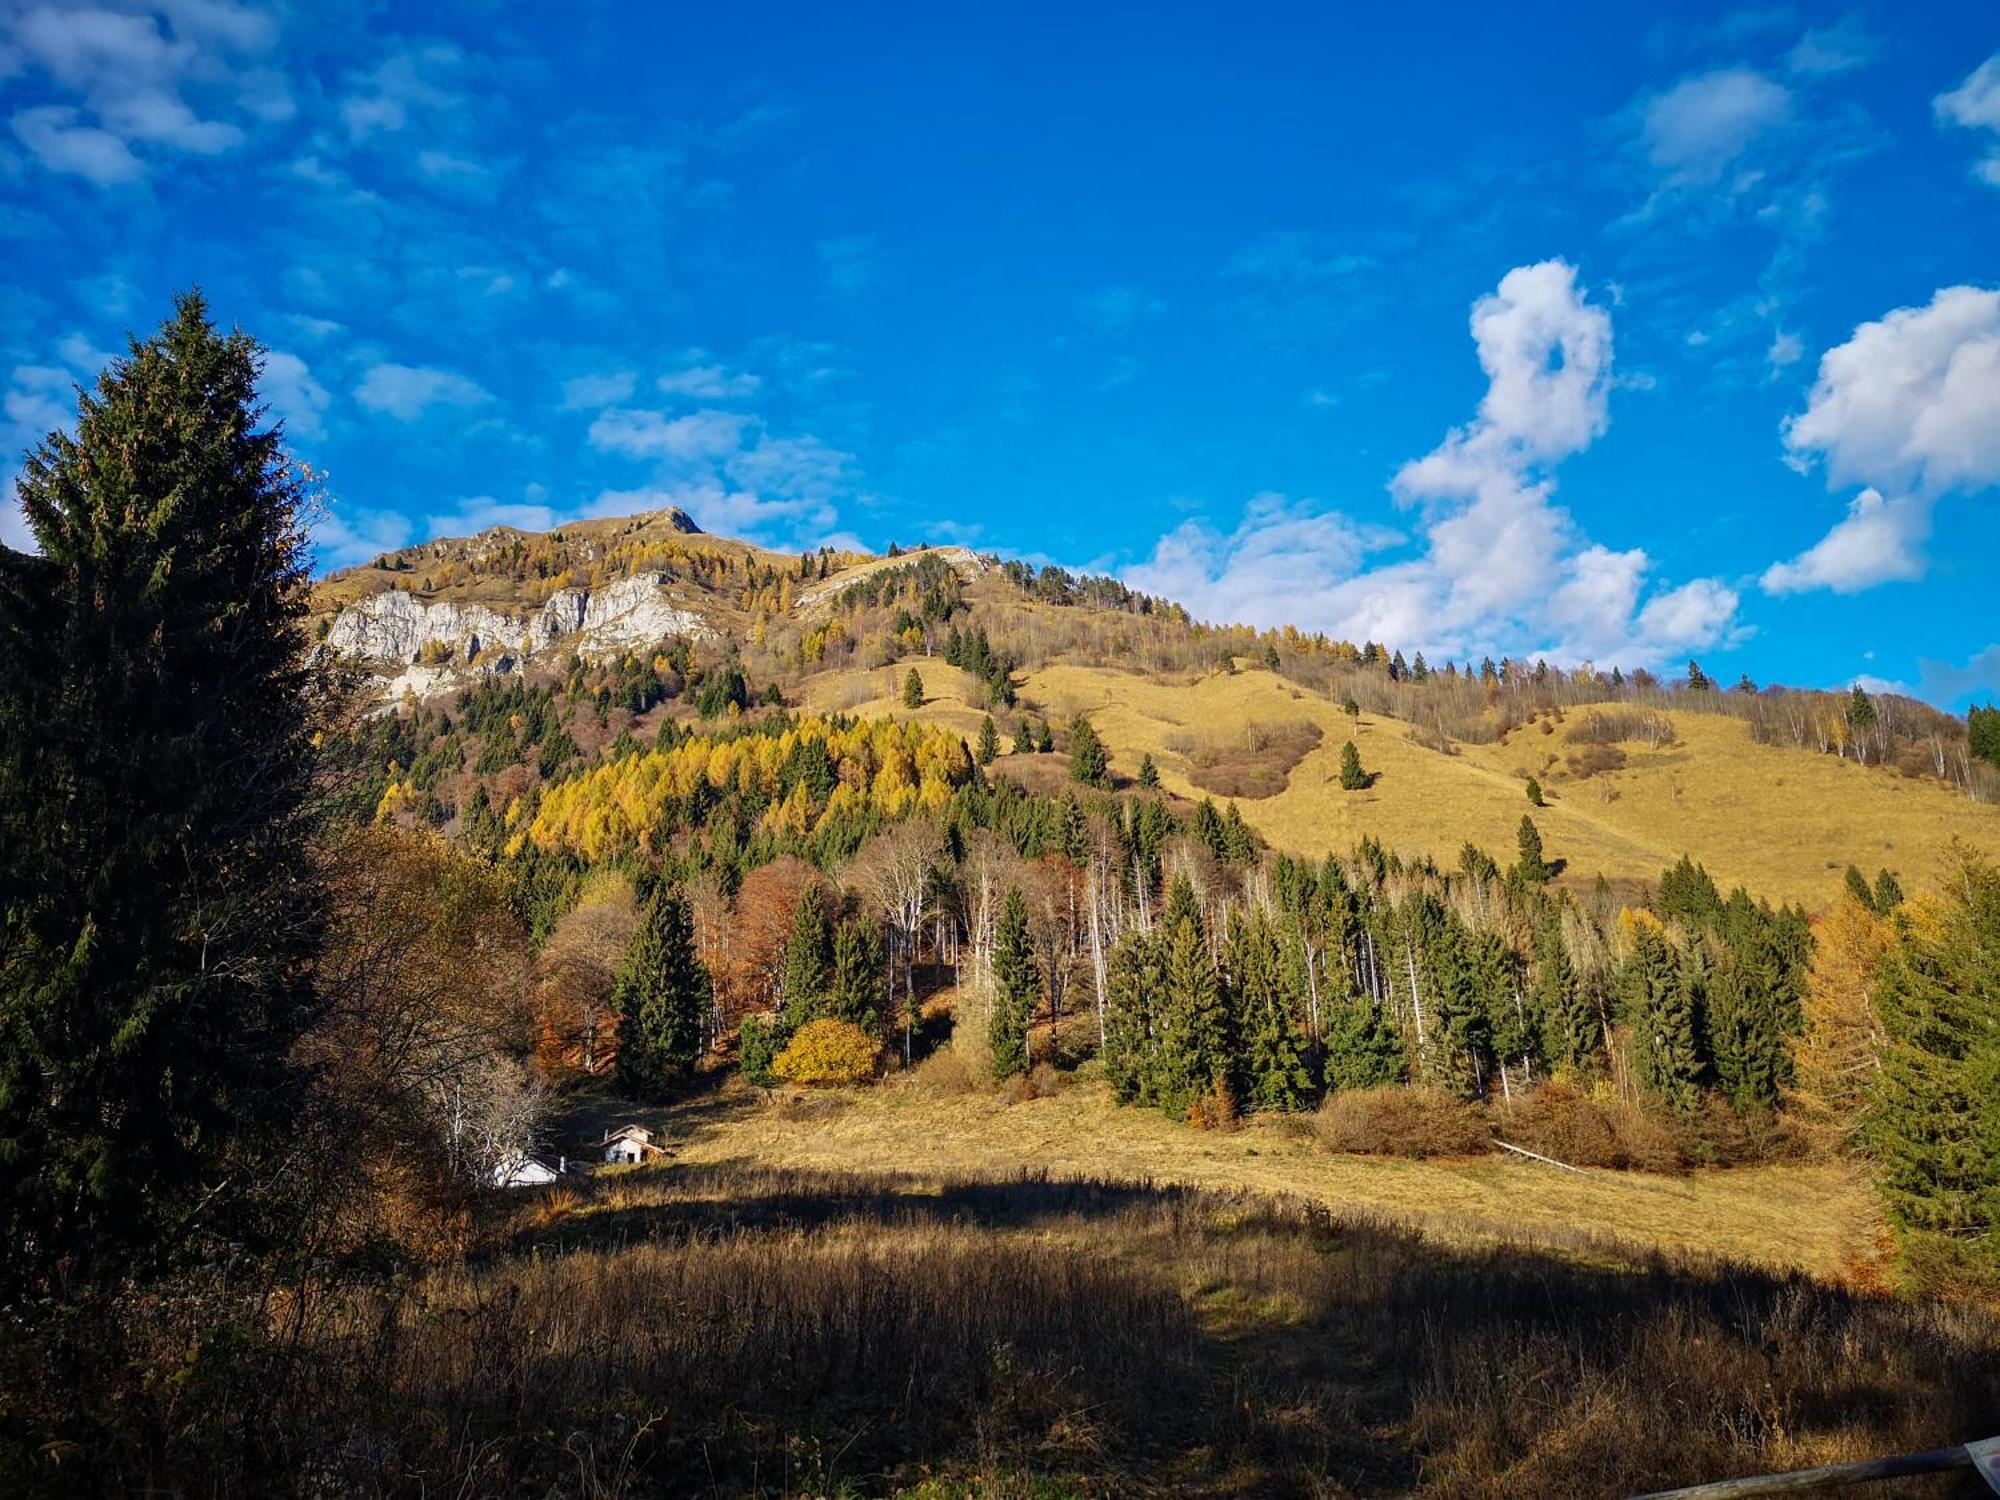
(857, 974)
(158, 911)
(1362, 1048)
(1275, 1075)
(1743, 1036)
(1134, 981)
(1014, 987)
(1045, 741)
(1535, 793)
(808, 972)
(1572, 1037)
(1933, 1125)
(989, 741)
(662, 999)
(1194, 1053)
(1149, 774)
(1666, 1047)
(1530, 866)
(1352, 777)
(1024, 737)
(913, 690)
(1087, 760)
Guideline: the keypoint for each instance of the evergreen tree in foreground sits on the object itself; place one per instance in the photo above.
(857, 974)
(1014, 987)
(1194, 1048)
(662, 999)
(1666, 1048)
(808, 971)
(158, 917)
(1934, 1121)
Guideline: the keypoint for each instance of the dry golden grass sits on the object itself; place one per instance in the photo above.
(1819, 1219)
(1782, 822)
(952, 698)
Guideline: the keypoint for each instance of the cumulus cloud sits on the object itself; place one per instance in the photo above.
(1501, 567)
(588, 392)
(403, 85)
(1975, 105)
(407, 392)
(128, 79)
(1909, 406)
(702, 436)
(344, 535)
(476, 513)
(290, 390)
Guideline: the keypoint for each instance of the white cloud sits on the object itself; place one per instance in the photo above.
(702, 382)
(294, 395)
(1503, 569)
(476, 513)
(1693, 132)
(406, 392)
(1879, 541)
(1786, 350)
(345, 536)
(130, 75)
(404, 84)
(1825, 51)
(588, 391)
(703, 436)
(1975, 105)
(1910, 407)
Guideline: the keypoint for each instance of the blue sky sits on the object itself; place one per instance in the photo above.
(1534, 328)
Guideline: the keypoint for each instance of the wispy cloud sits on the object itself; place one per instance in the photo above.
(1975, 105)
(408, 392)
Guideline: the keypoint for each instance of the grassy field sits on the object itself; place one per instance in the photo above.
(1817, 1219)
(1783, 822)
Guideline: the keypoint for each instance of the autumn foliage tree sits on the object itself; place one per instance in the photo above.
(1835, 1058)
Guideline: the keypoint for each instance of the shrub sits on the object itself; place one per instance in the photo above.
(827, 1052)
(1395, 1120)
(757, 1043)
(944, 1072)
(1583, 1131)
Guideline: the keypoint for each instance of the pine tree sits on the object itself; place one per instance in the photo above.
(662, 999)
(1015, 987)
(1666, 1047)
(1982, 733)
(808, 972)
(857, 974)
(158, 910)
(1530, 865)
(1352, 777)
(989, 741)
(1362, 1048)
(1535, 793)
(1087, 761)
(1024, 737)
(1045, 741)
(1149, 774)
(1934, 1122)
(913, 690)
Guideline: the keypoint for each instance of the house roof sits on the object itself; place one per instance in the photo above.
(637, 1133)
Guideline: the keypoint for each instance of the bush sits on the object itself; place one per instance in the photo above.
(1583, 1131)
(827, 1052)
(1396, 1120)
(944, 1072)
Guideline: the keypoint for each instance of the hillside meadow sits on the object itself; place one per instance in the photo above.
(1783, 822)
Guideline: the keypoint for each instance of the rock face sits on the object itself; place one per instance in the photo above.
(395, 628)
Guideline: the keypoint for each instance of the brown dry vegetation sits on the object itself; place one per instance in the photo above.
(739, 1330)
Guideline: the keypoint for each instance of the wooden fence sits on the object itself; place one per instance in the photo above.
(1982, 1457)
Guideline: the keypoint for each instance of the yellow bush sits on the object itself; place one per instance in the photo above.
(827, 1052)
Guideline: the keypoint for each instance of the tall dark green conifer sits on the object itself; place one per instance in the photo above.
(1134, 982)
(1744, 1037)
(1194, 1040)
(1014, 987)
(662, 999)
(1666, 1046)
(158, 917)
(1933, 1125)
(989, 742)
(808, 971)
(857, 974)
(1275, 1075)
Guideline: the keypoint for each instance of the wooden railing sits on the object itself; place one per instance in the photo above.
(1982, 1457)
